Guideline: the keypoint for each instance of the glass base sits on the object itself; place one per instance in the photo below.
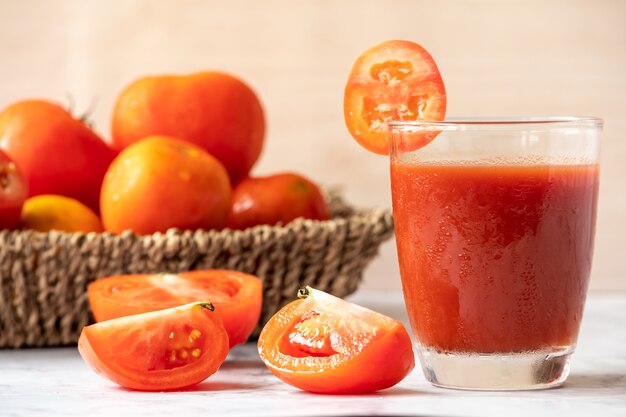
(496, 372)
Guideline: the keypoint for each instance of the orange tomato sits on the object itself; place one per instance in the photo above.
(13, 192)
(213, 110)
(56, 153)
(160, 183)
(323, 344)
(237, 297)
(276, 198)
(55, 212)
(162, 350)
(393, 81)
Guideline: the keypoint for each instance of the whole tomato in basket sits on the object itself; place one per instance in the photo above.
(213, 110)
(278, 198)
(160, 183)
(57, 153)
(13, 192)
(56, 212)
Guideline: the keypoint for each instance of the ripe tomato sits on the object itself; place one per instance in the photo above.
(55, 212)
(396, 80)
(157, 351)
(323, 344)
(237, 297)
(276, 198)
(13, 192)
(215, 111)
(160, 183)
(56, 153)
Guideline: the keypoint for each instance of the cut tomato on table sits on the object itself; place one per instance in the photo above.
(393, 81)
(236, 296)
(157, 351)
(321, 343)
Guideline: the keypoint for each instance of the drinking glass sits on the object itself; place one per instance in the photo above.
(495, 222)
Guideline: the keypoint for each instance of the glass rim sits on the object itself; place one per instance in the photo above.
(504, 121)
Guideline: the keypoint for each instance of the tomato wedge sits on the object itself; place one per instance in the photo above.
(236, 296)
(393, 81)
(321, 343)
(157, 351)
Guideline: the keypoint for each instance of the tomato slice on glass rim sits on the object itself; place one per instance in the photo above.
(321, 343)
(236, 296)
(162, 350)
(393, 81)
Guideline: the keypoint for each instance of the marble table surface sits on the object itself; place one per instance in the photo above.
(51, 382)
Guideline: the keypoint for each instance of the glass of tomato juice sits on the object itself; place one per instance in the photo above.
(495, 223)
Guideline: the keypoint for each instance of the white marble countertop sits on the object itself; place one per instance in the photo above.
(50, 382)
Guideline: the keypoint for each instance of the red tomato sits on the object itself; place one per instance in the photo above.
(393, 81)
(237, 296)
(160, 183)
(56, 153)
(323, 344)
(213, 110)
(157, 351)
(13, 192)
(276, 198)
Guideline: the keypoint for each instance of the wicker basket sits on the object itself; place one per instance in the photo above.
(44, 276)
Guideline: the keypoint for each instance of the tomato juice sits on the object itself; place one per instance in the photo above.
(494, 258)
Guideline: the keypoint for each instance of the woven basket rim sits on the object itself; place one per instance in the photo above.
(341, 212)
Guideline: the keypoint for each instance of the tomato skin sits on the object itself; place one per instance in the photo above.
(160, 183)
(237, 297)
(125, 350)
(213, 110)
(13, 192)
(369, 359)
(56, 153)
(276, 198)
(394, 81)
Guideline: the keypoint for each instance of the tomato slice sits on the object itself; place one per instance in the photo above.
(393, 81)
(236, 296)
(162, 350)
(321, 343)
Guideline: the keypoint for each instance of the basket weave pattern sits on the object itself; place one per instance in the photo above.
(44, 276)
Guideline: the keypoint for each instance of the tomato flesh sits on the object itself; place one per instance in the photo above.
(237, 296)
(327, 345)
(162, 350)
(393, 81)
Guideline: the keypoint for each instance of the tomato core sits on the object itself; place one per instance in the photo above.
(308, 336)
(378, 112)
(391, 72)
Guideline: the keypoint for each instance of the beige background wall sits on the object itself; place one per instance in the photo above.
(497, 57)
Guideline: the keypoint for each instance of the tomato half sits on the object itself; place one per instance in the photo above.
(321, 343)
(393, 81)
(157, 351)
(237, 296)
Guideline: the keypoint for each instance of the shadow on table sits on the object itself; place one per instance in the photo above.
(243, 364)
(390, 392)
(615, 383)
(208, 386)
